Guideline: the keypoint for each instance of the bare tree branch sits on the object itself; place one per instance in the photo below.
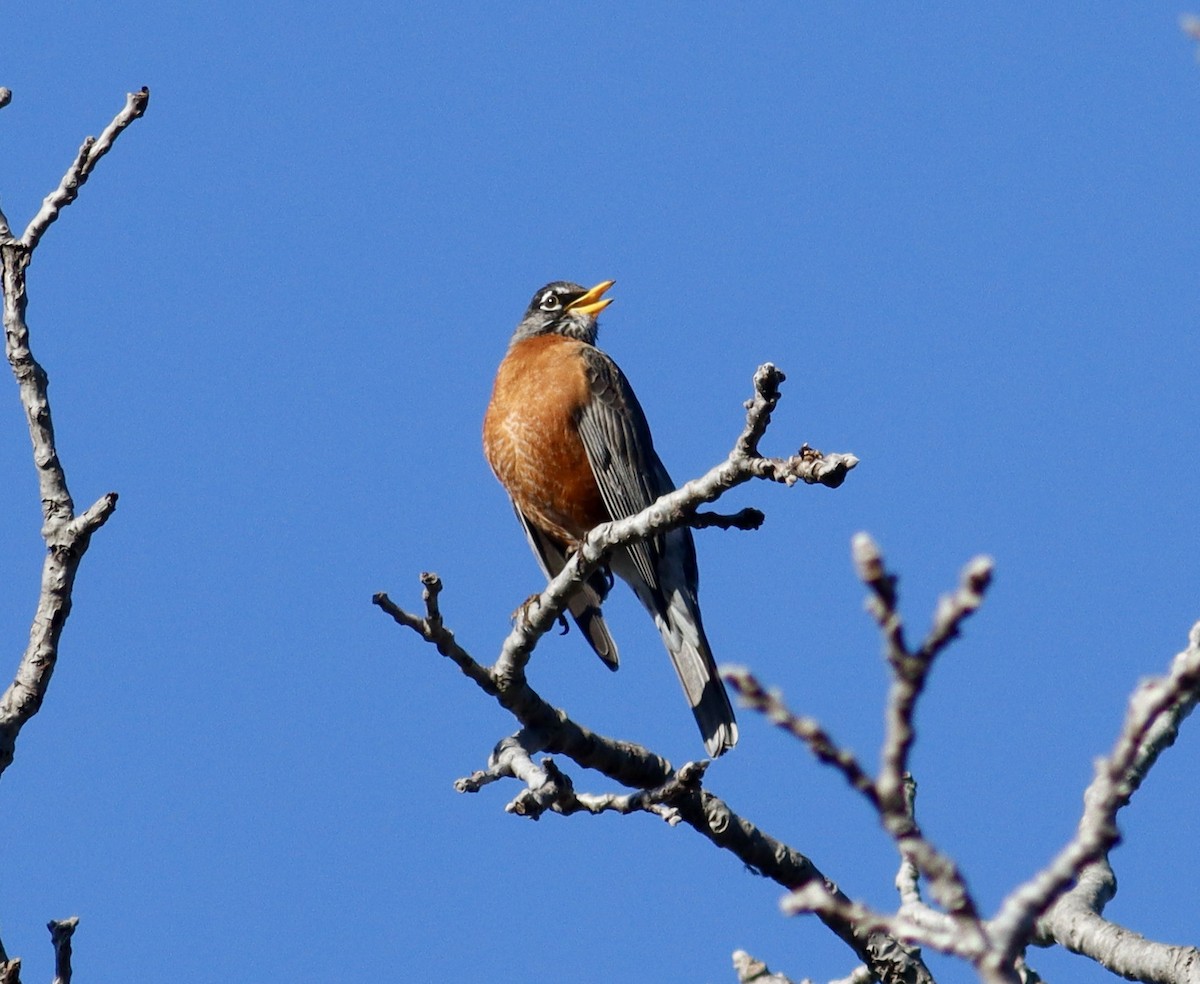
(770, 703)
(909, 673)
(549, 788)
(745, 519)
(1152, 719)
(1042, 910)
(1074, 921)
(66, 535)
(90, 152)
(752, 971)
(546, 728)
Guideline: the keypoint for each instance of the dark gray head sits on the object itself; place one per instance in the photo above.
(564, 308)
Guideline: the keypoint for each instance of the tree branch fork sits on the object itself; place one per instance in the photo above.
(544, 726)
(66, 533)
(1060, 905)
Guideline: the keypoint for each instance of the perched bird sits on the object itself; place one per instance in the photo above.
(569, 442)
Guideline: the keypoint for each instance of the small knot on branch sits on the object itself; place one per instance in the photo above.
(829, 470)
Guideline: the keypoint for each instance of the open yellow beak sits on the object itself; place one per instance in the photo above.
(592, 302)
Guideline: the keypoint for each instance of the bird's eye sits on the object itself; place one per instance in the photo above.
(550, 301)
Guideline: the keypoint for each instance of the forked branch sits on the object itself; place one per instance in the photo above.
(66, 534)
(676, 795)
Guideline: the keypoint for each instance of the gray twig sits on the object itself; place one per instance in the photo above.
(90, 152)
(770, 703)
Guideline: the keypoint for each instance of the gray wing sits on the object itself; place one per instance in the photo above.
(584, 605)
(661, 571)
(621, 452)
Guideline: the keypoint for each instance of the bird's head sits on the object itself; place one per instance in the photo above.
(564, 308)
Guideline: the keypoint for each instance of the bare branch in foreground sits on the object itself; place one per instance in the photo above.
(751, 971)
(66, 535)
(909, 672)
(808, 730)
(1041, 911)
(745, 519)
(1156, 709)
(550, 789)
(548, 729)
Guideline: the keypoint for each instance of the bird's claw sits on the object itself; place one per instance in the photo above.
(521, 612)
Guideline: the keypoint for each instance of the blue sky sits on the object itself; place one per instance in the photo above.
(967, 233)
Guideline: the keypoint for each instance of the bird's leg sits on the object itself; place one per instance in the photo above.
(606, 573)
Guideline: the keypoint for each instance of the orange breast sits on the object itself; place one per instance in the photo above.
(531, 440)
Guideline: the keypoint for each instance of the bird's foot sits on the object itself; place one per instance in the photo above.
(521, 613)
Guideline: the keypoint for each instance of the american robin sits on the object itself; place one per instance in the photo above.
(568, 440)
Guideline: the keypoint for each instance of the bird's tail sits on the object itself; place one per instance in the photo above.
(584, 607)
(683, 633)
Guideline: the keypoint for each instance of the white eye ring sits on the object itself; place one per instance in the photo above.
(550, 301)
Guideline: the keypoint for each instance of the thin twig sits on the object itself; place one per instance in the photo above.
(909, 672)
(770, 703)
(90, 152)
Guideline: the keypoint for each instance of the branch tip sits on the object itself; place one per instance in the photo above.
(977, 575)
(868, 560)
